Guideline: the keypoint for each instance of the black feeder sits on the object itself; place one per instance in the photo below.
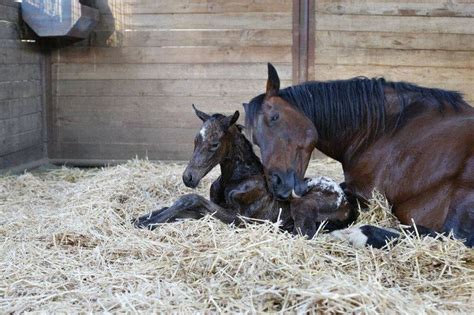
(59, 18)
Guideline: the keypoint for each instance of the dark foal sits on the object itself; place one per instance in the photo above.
(241, 189)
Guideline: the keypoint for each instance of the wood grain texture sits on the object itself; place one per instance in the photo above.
(429, 75)
(149, 105)
(179, 150)
(14, 143)
(194, 6)
(447, 78)
(155, 119)
(422, 41)
(217, 88)
(19, 55)
(9, 3)
(20, 72)
(243, 71)
(19, 89)
(21, 107)
(248, 20)
(395, 57)
(8, 13)
(444, 8)
(406, 41)
(20, 124)
(129, 90)
(9, 30)
(28, 157)
(187, 55)
(394, 24)
(14, 43)
(112, 134)
(197, 37)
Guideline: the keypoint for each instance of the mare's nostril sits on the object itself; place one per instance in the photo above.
(276, 180)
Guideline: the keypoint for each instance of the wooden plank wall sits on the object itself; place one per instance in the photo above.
(128, 91)
(429, 42)
(22, 132)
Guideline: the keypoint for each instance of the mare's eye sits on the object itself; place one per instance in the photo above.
(275, 117)
(214, 146)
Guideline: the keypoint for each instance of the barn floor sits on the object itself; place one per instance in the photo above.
(66, 245)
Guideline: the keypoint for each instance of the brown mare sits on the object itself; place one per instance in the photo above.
(241, 189)
(413, 144)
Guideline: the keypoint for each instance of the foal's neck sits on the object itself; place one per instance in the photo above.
(240, 160)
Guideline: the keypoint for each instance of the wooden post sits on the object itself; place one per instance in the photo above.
(303, 40)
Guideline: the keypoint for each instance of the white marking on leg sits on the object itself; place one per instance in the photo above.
(328, 184)
(352, 235)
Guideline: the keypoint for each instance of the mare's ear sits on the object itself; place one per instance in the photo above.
(230, 120)
(202, 115)
(273, 81)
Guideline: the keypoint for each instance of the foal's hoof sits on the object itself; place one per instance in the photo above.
(147, 221)
(139, 222)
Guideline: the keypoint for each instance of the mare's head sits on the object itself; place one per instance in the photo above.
(285, 136)
(211, 145)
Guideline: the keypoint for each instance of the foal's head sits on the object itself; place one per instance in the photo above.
(285, 136)
(211, 145)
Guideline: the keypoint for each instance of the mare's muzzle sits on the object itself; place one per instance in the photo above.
(286, 185)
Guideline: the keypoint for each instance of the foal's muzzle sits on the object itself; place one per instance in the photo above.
(190, 179)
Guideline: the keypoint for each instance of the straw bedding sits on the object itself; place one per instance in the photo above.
(66, 244)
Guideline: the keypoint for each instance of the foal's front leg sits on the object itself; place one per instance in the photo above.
(188, 206)
(148, 219)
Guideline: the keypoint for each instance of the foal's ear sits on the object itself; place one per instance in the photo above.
(230, 120)
(202, 115)
(273, 81)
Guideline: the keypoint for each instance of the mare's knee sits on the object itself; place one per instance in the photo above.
(461, 221)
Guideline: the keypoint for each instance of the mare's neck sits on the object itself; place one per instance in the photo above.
(340, 148)
(240, 160)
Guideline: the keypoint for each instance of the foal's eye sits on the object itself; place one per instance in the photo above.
(214, 146)
(275, 117)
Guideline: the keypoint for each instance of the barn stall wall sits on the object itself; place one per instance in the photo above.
(128, 91)
(22, 127)
(429, 42)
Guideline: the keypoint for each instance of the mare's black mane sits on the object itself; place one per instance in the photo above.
(345, 106)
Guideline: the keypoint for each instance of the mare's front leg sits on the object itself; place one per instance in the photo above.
(378, 237)
(188, 206)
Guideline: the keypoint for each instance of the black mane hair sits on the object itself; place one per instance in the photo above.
(344, 106)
